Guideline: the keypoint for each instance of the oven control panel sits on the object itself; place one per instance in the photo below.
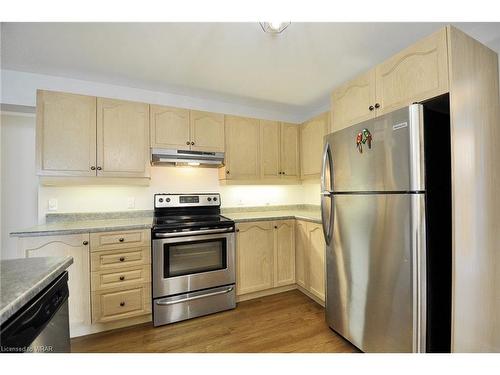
(187, 200)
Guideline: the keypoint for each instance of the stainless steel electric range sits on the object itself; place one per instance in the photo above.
(193, 257)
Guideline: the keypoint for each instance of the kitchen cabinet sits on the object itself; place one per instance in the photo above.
(417, 73)
(122, 138)
(77, 246)
(265, 255)
(65, 134)
(311, 145)
(270, 149)
(242, 149)
(310, 258)
(206, 131)
(284, 254)
(169, 127)
(289, 151)
(354, 101)
(254, 256)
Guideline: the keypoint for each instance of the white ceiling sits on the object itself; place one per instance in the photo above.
(228, 61)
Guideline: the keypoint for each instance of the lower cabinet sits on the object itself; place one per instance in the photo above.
(265, 255)
(310, 258)
(77, 246)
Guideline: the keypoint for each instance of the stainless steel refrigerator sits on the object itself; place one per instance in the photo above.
(374, 210)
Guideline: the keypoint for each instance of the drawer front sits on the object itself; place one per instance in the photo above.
(121, 278)
(121, 303)
(119, 240)
(113, 259)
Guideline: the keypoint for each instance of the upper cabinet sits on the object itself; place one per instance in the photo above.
(354, 101)
(182, 129)
(289, 151)
(242, 152)
(65, 134)
(416, 73)
(207, 131)
(122, 138)
(270, 149)
(170, 127)
(311, 145)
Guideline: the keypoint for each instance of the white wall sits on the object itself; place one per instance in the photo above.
(18, 180)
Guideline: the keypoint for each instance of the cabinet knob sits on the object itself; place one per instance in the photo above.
(192, 143)
(122, 303)
(188, 143)
(99, 168)
(122, 259)
(237, 230)
(227, 172)
(377, 105)
(92, 168)
(122, 278)
(371, 108)
(275, 227)
(85, 243)
(121, 239)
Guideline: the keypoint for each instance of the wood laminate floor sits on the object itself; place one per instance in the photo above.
(281, 323)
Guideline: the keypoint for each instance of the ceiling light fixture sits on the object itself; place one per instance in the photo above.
(274, 27)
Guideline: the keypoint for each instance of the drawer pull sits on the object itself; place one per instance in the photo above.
(122, 259)
(122, 304)
(122, 278)
(121, 239)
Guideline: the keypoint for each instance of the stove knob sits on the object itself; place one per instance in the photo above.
(215, 199)
(168, 200)
(209, 199)
(160, 200)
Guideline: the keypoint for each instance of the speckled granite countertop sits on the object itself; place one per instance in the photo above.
(301, 214)
(22, 279)
(85, 223)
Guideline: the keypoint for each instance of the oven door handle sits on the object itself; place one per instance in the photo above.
(195, 232)
(166, 303)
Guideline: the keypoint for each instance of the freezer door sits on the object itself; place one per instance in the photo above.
(374, 295)
(390, 159)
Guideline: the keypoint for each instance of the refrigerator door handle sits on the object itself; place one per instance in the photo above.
(326, 194)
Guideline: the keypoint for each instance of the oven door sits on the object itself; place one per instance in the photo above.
(190, 263)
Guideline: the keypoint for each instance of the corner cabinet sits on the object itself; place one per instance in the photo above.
(310, 258)
(77, 246)
(65, 134)
(122, 138)
(265, 255)
(311, 145)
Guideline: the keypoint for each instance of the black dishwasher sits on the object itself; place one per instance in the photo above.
(42, 325)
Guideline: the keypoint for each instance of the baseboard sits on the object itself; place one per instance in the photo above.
(267, 292)
(311, 296)
(88, 329)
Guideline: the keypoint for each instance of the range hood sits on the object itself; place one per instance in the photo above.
(163, 156)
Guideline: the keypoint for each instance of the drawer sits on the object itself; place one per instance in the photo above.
(120, 240)
(114, 259)
(120, 278)
(119, 303)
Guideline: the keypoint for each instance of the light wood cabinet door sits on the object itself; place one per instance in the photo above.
(78, 272)
(284, 254)
(316, 260)
(122, 138)
(206, 131)
(289, 151)
(242, 148)
(354, 101)
(65, 134)
(254, 256)
(301, 253)
(311, 145)
(170, 127)
(270, 149)
(416, 73)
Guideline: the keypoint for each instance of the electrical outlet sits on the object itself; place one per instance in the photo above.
(52, 204)
(131, 202)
